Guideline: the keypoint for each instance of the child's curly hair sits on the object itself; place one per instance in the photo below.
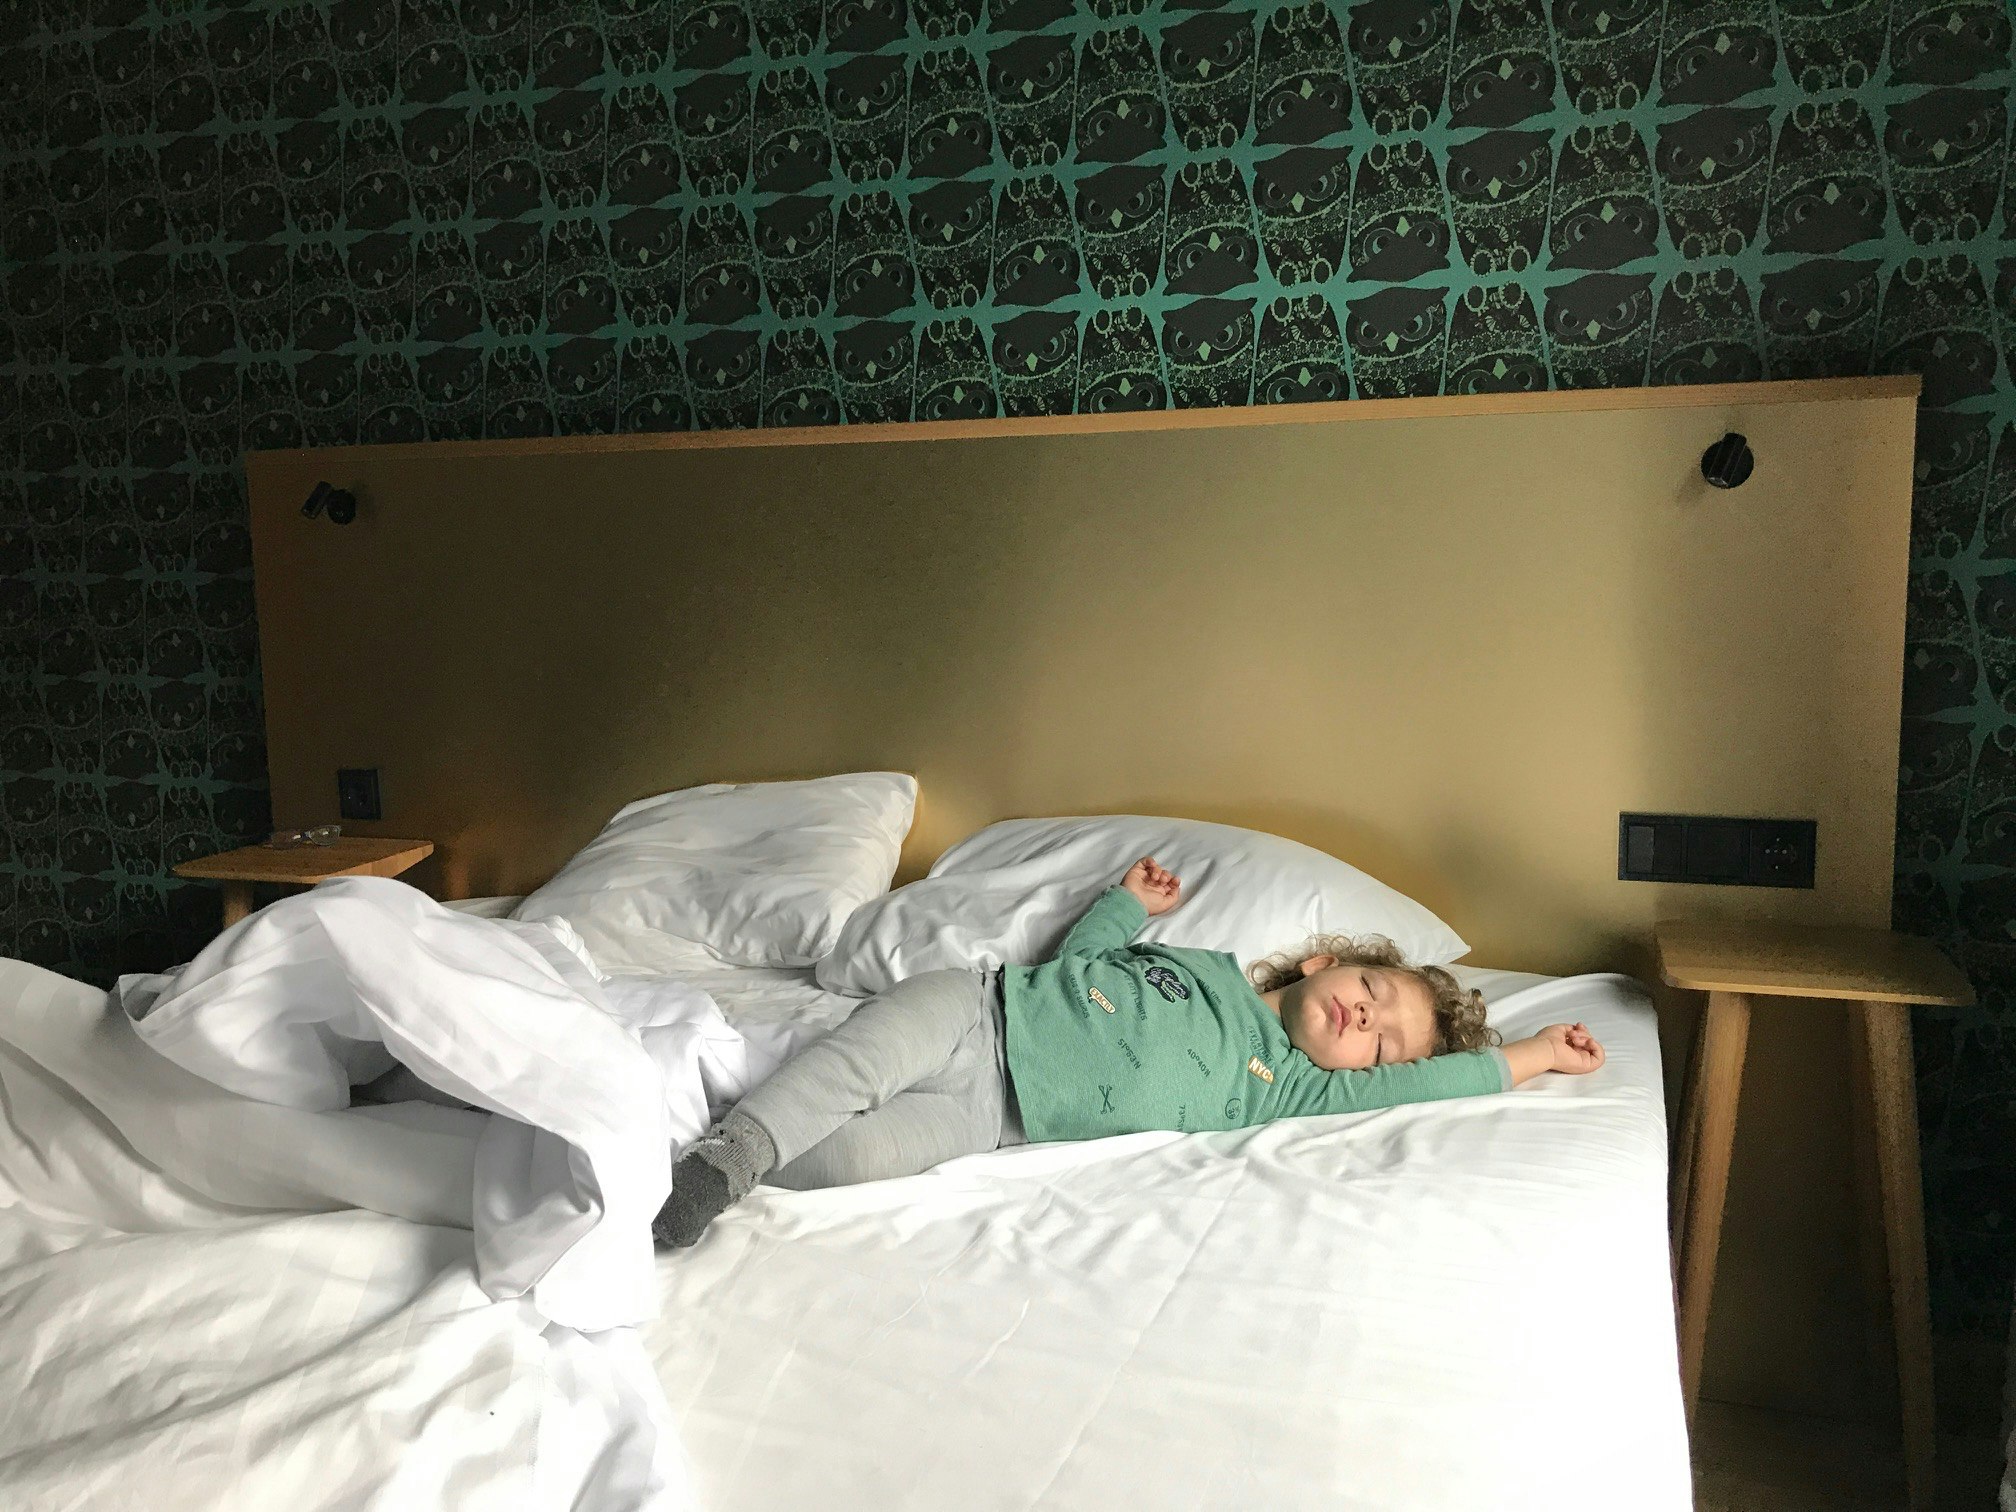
(1459, 1014)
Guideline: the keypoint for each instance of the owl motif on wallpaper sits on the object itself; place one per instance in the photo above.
(647, 258)
(791, 151)
(722, 285)
(794, 251)
(1714, 170)
(382, 273)
(1946, 159)
(365, 38)
(504, 169)
(865, 99)
(724, 371)
(875, 362)
(303, 64)
(1937, 322)
(1599, 330)
(1939, 674)
(1035, 243)
(1302, 81)
(1032, 83)
(947, 18)
(1826, 180)
(1995, 618)
(1119, 367)
(375, 195)
(1998, 518)
(310, 155)
(499, 36)
(1832, 44)
(433, 63)
(581, 374)
(1299, 355)
(1400, 55)
(954, 380)
(1120, 113)
(1210, 243)
(1397, 338)
(1501, 69)
(1495, 344)
(1609, 51)
(863, 26)
(786, 28)
(240, 48)
(324, 317)
(1948, 44)
(1603, 215)
(203, 323)
(392, 410)
(447, 298)
(1302, 200)
(1819, 318)
(642, 146)
(1706, 330)
(873, 272)
(1207, 62)
(1035, 360)
(568, 129)
(1398, 227)
(516, 400)
(798, 381)
(638, 34)
(436, 147)
(1121, 212)
(325, 394)
(1948, 473)
(951, 227)
(1935, 770)
(708, 34)
(651, 387)
(715, 124)
(1499, 188)
(1208, 348)
(1715, 52)
(949, 134)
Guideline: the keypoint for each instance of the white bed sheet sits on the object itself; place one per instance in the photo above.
(1460, 1306)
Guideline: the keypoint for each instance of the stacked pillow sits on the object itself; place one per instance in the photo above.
(754, 874)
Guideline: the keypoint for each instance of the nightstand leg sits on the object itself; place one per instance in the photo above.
(1725, 1037)
(1690, 1137)
(237, 902)
(1886, 1041)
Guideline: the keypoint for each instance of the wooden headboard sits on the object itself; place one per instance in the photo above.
(1448, 639)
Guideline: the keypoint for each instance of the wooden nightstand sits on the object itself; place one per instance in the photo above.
(1879, 975)
(301, 866)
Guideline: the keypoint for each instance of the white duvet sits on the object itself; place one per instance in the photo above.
(1387, 1311)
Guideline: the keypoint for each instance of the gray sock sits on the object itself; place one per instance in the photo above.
(716, 1172)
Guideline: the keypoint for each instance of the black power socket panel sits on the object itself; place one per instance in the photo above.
(357, 793)
(1717, 850)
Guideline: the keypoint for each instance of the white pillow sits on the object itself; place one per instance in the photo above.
(756, 874)
(1009, 894)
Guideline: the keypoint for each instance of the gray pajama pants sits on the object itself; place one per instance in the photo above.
(914, 1076)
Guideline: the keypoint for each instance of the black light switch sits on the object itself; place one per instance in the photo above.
(357, 793)
(1716, 849)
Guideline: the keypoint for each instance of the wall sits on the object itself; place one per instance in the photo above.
(231, 227)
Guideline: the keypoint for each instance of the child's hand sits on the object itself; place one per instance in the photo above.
(1574, 1048)
(1158, 890)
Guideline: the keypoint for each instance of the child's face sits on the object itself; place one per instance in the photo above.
(1350, 1018)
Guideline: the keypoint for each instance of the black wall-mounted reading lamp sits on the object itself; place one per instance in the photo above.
(1729, 461)
(338, 503)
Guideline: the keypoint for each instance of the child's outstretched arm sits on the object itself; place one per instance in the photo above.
(1118, 913)
(1569, 1048)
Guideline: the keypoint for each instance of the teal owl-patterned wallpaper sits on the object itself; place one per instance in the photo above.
(226, 226)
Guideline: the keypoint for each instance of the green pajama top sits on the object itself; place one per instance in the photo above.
(1113, 1038)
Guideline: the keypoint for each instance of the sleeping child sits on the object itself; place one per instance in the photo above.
(1108, 1037)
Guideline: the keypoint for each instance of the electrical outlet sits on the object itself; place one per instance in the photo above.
(1720, 851)
(357, 793)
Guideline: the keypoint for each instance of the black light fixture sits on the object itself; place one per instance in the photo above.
(338, 503)
(1729, 461)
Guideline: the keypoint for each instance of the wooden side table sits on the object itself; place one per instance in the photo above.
(1879, 974)
(301, 866)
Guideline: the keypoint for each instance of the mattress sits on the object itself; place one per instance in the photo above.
(1458, 1305)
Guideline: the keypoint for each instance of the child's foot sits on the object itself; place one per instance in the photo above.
(714, 1174)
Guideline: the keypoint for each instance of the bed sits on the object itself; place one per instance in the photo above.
(1453, 1306)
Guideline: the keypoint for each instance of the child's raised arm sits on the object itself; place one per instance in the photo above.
(1118, 913)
